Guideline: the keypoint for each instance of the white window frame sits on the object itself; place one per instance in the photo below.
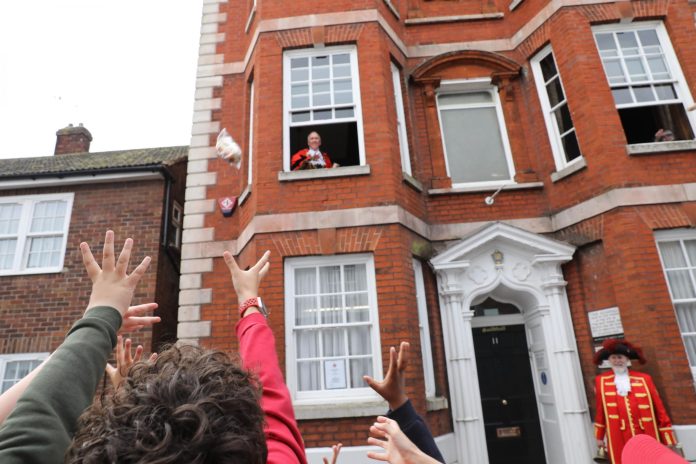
(8, 358)
(671, 236)
(681, 88)
(459, 86)
(19, 266)
(424, 328)
(251, 134)
(401, 120)
(355, 80)
(554, 132)
(329, 396)
(177, 223)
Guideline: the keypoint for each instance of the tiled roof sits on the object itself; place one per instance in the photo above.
(78, 163)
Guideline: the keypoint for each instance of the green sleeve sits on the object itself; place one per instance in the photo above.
(41, 427)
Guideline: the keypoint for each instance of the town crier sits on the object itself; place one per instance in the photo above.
(628, 403)
(311, 157)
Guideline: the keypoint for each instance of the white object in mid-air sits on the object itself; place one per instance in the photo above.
(228, 149)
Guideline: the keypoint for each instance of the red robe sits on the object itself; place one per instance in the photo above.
(301, 155)
(620, 418)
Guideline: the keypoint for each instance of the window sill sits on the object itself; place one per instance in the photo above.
(9, 273)
(324, 173)
(252, 14)
(493, 188)
(354, 407)
(245, 194)
(392, 8)
(453, 19)
(568, 170)
(660, 147)
(514, 4)
(436, 403)
(412, 181)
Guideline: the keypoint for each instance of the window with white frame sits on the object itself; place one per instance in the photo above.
(176, 225)
(424, 328)
(322, 93)
(401, 120)
(14, 367)
(678, 254)
(250, 149)
(559, 123)
(646, 81)
(34, 233)
(475, 142)
(332, 330)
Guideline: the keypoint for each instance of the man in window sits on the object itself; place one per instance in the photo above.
(312, 157)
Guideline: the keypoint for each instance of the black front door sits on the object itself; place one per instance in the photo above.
(513, 435)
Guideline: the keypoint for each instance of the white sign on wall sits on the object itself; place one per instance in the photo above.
(605, 323)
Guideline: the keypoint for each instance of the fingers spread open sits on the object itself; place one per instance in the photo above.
(262, 262)
(139, 310)
(377, 442)
(231, 263)
(403, 356)
(139, 271)
(108, 262)
(138, 353)
(124, 257)
(88, 260)
(264, 270)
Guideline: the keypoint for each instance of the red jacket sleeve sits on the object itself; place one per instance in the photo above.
(327, 160)
(600, 423)
(257, 348)
(297, 159)
(664, 425)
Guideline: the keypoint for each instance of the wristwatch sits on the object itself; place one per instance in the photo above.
(251, 302)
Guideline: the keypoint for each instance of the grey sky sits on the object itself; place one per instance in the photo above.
(125, 69)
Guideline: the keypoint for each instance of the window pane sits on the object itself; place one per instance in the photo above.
(680, 284)
(686, 316)
(555, 92)
(299, 62)
(44, 252)
(636, 70)
(628, 42)
(570, 146)
(474, 145)
(305, 310)
(330, 279)
(7, 252)
(320, 61)
(341, 58)
(345, 113)
(321, 87)
(320, 73)
(343, 85)
(359, 341)
(331, 309)
(299, 102)
(307, 344)
(322, 99)
(644, 93)
(672, 254)
(334, 342)
(658, 67)
(299, 89)
(9, 217)
(308, 376)
(359, 368)
(622, 95)
(343, 98)
(606, 43)
(548, 67)
(322, 115)
(305, 281)
(357, 309)
(690, 246)
(648, 38)
(16, 371)
(355, 276)
(49, 216)
(565, 123)
(465, 98)
(614, 71)
(665, 92)
(341, 71)
(299, 75)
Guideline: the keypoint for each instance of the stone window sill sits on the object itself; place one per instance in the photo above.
(252, 14)
(660, 147)
(436, 403)
(245, 194)
(392, 8)
(412, 182)
(343, 171)
(338, 408)
(453, 19)
(514, 4)
(568, 170)
(493, 188)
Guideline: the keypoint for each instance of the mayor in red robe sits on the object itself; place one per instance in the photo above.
(312, 157)
(628, 403)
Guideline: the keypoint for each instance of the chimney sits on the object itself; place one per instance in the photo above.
(72, 140)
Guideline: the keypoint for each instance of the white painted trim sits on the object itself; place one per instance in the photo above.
(250, 144)
(454, 18)
(7, 358)
(78, 180)
(686, 435)
(392, 8)
(341, 171)
(27, 204)
(402, 134)
(340, 408)
(328, 397)
(424, 330)
(577, 165)
(514, 4)
(660, 147)
(490, 187)
(252, 14)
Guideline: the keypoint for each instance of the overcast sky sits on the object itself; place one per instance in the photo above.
(125, 69)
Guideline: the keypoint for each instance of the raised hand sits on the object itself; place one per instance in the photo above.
(336, 450)
(393, 387)
(133, 319)
(246, 283)
(111, 286)
(398, 449)
(124, 360)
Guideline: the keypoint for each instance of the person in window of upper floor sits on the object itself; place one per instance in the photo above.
(311, 157)
(664, 135)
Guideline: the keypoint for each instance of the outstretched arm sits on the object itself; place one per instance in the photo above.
(75, 367)
(257, 348)
(393, 389)
(398, 449)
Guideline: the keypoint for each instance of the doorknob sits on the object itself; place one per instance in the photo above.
(504, 402)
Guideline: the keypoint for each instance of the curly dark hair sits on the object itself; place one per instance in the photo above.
(190, 406)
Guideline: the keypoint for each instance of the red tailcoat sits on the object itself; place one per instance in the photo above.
(301, 155)
(622, 417)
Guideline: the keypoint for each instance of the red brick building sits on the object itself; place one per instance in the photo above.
(48, 205)
(517, 181)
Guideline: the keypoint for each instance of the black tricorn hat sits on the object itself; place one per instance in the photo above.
(618, 346)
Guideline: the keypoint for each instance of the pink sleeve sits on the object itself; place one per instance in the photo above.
(257, 348)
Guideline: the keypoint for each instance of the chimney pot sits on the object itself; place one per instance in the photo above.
(72, 139)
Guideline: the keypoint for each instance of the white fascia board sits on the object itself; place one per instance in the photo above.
(79, 180)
